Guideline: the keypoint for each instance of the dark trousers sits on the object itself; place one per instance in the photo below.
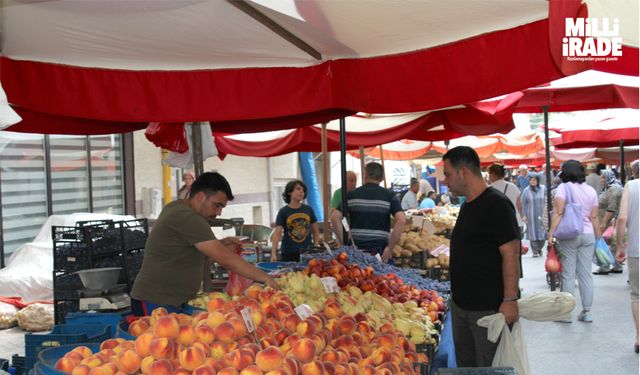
(470, 340)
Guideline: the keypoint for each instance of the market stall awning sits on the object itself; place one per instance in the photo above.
(117, 65)
(608, 132)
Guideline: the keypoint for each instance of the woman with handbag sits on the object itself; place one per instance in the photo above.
(608, 206)
(574, 224)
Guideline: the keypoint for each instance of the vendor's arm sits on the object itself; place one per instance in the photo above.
(336, 225)
(621, 225)
(315, 230)
(510, 277)
(558, 210)
(228, 259)
(275, 241)
(396, 233)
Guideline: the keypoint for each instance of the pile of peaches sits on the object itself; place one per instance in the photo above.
(280, 342)
(389, 286)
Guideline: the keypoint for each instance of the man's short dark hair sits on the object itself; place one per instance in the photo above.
(375, 171)
(572, 171)
(497, 169)
(463, 156)
(288, 189)
(413, 181)
(210, 183)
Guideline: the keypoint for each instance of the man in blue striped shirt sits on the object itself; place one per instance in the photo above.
(370, 208)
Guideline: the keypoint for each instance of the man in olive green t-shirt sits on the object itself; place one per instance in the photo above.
(180, 241)
(336, 199)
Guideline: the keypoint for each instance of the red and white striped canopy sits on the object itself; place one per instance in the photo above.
(87, 67)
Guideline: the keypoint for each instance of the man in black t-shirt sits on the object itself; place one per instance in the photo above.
(370, 209)
(484, 263)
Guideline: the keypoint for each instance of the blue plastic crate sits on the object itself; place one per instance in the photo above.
(191, 310)
(272, 266)
(47, 358)
(123, 331)
(63, 334)
(108, 319)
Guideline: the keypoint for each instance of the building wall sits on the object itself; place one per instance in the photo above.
(256, 182)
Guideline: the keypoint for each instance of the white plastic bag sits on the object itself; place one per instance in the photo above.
(36, 317)
(512, 351)
(209, 149)
(8, 315)
(547, 306)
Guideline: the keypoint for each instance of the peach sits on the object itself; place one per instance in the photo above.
(313, 368)
(162, 348)
(244, 340)
(74, 356)
(332, 309)
(329, 355)
(344, 342)
(257, 316)
(268, 341)
(166, 326)
(138, 327)
(347, 325)
(304, 350)
(66, 365)
(92, 361)
(215, 318)
(306, 328)
(291, 364)
(205, 370)
(81, 370)
(318, 320)
(291, 321)
(161, 367)
(181, 371)
(143, 344)
(216, 304)
(110, 367)
(129, 361)
(269, 359)
(204, 333)
(225, 332)
(278, 371)
(253, 291)
(145, 364)
(329, 368)
(228, 371)
(380, 355)
(186, 335)
(204, 347)
(192, 358)
(272, 326)
(281, 335)
(100, 371)
(366, 370)
(218, 349)
(109, 344)
(199, 317)
(83, 350)
(422, 358)
(242, 358)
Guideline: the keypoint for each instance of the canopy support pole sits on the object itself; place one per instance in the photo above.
(623, 173)
(326, 190)
(382, 162)
(362, 164)
(547, 156)
(343, 166)
(196, 145)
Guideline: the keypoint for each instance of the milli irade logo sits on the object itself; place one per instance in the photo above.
(592, 39)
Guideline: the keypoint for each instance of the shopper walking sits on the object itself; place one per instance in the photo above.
(188, 179)
(608, 207)
(576, 253)
(485, 264)
(534, 201)
(295, 224)
(628, 221)
(522, 181)
(593, 178)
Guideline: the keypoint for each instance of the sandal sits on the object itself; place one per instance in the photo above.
(600, 272)
(615, 271)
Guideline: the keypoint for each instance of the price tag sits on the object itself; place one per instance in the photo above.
(428, 227)
(303, 311)
(246, 316)
(330, 284)
(378, 257)
(442, 249)
(345, 224)
(328, 248)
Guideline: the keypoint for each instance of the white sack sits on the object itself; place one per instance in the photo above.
(37, 317)
(547, 306)
(209, 149)
(512, 351)
(8, 315)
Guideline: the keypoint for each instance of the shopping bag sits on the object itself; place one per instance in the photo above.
(603, 257)
(170, 136)
(237, 284)
(547, 306)
(552, 264)
(524, 249)
(570, 225)
(608, 233)
(511, 351)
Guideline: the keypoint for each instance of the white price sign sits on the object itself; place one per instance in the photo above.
(345, 224)
(378, 257)
(442, 249)
(328, 248)
(246, 316)
(303, 311)
(330, 284)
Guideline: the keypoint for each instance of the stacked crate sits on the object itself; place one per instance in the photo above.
(95, 244)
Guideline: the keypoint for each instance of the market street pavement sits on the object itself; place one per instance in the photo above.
(602, 347)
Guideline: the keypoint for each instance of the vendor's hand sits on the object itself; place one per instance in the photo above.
(550, 239)
(271, 282)
(274, 257)
(510, 311)
(386, 254)
(230, 241)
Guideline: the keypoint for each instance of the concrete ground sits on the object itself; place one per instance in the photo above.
(602, 347)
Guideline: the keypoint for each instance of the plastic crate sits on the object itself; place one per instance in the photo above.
(477, 371)
(63, 334)
(47, 358)
(422, 368)
(122, 331)
(64, 307)
(17, 362)
(111, 320)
